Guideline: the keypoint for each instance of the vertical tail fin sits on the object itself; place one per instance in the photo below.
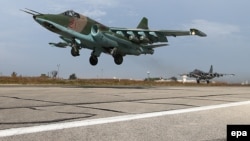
(143, 23)
(211, 69)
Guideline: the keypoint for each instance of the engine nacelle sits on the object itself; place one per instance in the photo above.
(101, 38)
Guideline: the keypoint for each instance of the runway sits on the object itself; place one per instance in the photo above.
(155, 113)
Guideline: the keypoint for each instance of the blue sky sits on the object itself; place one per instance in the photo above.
(24, 44)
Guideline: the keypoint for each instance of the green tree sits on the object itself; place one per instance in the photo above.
(43, 75)
(173, 78)
(72, 76)
(14, 74)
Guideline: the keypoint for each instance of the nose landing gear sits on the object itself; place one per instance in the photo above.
(75, 52)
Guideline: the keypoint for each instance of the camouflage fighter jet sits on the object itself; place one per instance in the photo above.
(79, 31)
(206, 76)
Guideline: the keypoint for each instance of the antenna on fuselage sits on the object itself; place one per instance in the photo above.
(32, 12)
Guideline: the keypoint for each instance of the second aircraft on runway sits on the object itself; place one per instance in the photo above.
(204, 76)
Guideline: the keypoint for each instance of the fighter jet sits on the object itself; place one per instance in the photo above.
(79, 31)
(205, 76)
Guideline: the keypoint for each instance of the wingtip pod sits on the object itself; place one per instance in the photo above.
(197, 32)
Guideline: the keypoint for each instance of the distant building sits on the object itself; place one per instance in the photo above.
(174, 79)
(184, 80)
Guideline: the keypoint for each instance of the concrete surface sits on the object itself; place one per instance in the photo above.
(33, 106)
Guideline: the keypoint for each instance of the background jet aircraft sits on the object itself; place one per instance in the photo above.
(206, 76)
(78, 31)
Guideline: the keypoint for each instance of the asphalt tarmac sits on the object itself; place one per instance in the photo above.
(156, 113)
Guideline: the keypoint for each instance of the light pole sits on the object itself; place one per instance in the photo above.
(58, 67)
(102, 73)
(148, 72)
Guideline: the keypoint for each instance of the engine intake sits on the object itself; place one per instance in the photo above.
(100, 37)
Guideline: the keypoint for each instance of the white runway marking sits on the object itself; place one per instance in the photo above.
(58, 126)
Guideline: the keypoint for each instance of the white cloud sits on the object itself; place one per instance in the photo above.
(76, 4)
(105, 3)
(93, 8)
(96, 13)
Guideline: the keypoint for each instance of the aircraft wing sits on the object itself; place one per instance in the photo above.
(154, 35)
(194, 75)
(175, 33)
(221, 74)
(229, 74)
(191, 75)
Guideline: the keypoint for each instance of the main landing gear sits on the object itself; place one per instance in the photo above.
(118, 59)
(93, 60)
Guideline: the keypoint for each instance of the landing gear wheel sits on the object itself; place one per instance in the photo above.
(93, 60)
(207, 81)
(198, 81)
(118, 59)
(74, 52)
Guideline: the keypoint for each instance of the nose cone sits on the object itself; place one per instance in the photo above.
(34, 17)
(47, 22)
(39, 18)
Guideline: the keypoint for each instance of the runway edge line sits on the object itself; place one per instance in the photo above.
(74, 124)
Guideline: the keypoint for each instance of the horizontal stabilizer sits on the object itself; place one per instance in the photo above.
(155, 46)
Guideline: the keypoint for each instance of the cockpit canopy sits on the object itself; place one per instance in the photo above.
(71, 13)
